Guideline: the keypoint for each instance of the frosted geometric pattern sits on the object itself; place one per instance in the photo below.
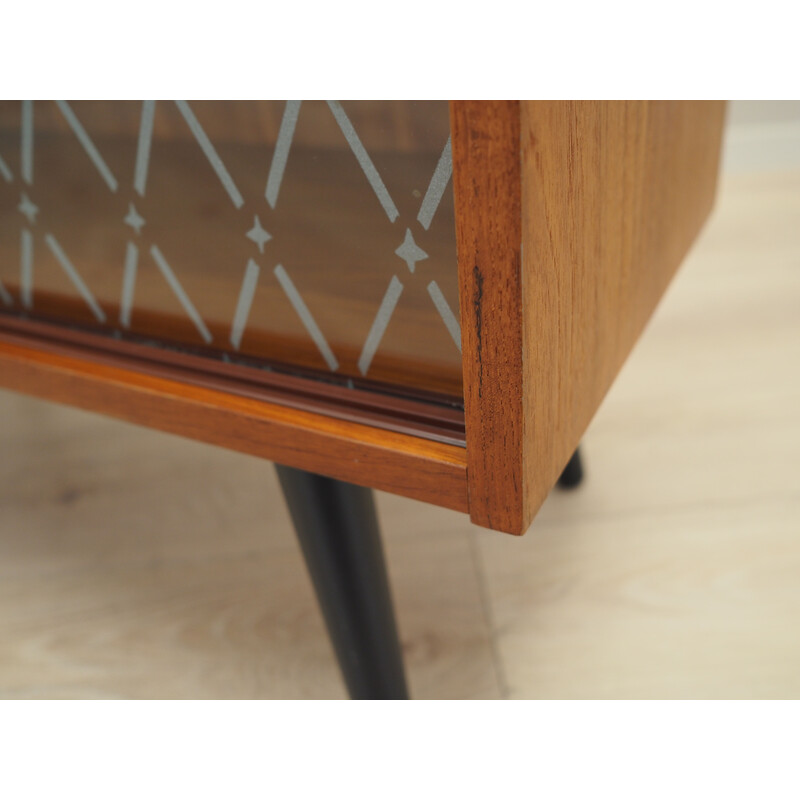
(311, 236)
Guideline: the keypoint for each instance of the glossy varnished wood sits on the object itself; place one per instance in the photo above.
(360, 454)
(571, 220)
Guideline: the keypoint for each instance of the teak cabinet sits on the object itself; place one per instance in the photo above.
(537, 239)
(423, 298)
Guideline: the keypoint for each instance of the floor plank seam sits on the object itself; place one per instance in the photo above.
(488, 617)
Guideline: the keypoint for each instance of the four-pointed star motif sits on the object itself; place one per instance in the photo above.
(134, 219)
(258, 235)
(27, 208)
(410, 252)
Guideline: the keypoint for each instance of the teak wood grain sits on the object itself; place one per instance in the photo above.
(487, 186)
(394, 462)
(571, 219)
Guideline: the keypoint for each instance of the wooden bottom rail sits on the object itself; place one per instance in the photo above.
(386, 460)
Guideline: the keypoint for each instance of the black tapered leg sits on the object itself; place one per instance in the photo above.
(573, 472)
(339, 535)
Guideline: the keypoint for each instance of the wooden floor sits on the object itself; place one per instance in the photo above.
(135, 564)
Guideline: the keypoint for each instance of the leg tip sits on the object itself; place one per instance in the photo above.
(572, 476)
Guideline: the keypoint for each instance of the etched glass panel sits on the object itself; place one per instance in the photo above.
(315, 237)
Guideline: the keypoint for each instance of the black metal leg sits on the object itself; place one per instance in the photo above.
(338, 531)
(573, 472)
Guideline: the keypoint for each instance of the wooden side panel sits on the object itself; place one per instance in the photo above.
(486, 183)
(393, 462)
(571, 218)
(613, 195)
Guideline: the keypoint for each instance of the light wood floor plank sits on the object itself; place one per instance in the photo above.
(675, 570)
